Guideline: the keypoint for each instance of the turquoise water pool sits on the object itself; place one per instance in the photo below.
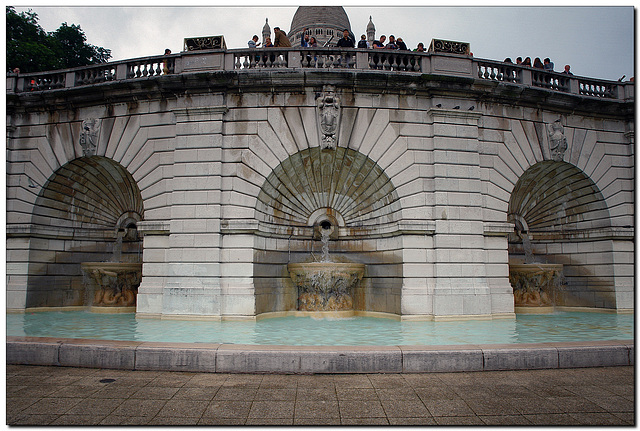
(299, 331)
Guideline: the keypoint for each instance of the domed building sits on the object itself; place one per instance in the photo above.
(325, 23)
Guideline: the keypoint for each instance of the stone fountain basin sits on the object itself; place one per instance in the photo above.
(325, 286)
(119, 295)
(533, 288)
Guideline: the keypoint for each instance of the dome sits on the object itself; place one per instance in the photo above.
(323, 22)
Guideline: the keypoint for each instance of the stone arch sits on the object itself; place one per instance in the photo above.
(563, 214)
(348, 184)
(350, 192)
(76, 218)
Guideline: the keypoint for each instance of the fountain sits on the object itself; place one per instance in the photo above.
(112, 286)
(535, 285)
(325, 285)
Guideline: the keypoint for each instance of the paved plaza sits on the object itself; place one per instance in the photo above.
(39, 395)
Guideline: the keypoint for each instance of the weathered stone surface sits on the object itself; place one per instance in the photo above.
(426, 359)
(523, 357)
(195, 357)
(32, 351)
(98, 354)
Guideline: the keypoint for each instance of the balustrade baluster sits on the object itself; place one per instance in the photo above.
(246, 63)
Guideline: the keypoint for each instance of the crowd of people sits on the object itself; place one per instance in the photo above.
(545, 64)
(346, 41)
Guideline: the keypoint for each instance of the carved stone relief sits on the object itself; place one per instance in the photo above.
(89, 136)
(557, 140)
(328, 112)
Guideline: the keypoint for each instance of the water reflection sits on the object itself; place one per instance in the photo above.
(526, 328)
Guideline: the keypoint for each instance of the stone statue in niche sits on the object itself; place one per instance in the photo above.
(328, 111)
(89, 136)
(557, 140)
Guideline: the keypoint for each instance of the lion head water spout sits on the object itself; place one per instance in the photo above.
(325, 285)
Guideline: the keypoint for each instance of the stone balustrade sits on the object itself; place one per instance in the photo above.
(254, 60)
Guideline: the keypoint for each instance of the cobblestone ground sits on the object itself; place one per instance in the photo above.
(83, 396)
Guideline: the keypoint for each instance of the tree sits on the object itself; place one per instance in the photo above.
(31, 49)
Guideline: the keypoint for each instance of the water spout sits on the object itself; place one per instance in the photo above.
(117, 247)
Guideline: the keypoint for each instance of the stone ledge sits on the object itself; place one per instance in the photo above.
(231, 358)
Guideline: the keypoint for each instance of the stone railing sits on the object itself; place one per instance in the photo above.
(254, 60)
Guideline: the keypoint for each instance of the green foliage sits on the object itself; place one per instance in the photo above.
(31, 49)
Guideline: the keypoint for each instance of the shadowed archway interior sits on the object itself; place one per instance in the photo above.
(76, 219)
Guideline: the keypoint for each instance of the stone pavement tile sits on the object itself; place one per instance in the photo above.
(436, 393)
(602, 419)
(243, 380)
(412, 421)
(121, 382)
(60, 379)
(236, 393)
(628, 417)
(171, 379)
(173, 421)
(33, 370)
(364, 421)
(14, 390)
(317, 381)
(575, 404)
(78, 419)
(321, 393)
(155, 393)
(387, 380)
(456, 407)
(206, 380)
(184, 408)
(36, 419)
(227, 409)
(356, 393)
(545, 390)
(208, 421)
(95, 407)
(534, 404)
(403, 408)
(552, 419)
(624, 390)
(55, 406)
(491, 406)
(279, 381)
(75, 391)
(125, 420)
(275, 394)
(272, 409)
(316, 421)
(317, 409)
(352, 381)
(203, 394)
(420, 380)
(509, 420)
(511, 391)
(458, 420)
(452, 379)
(401, 393)
(15, 405)
(269, 421)
(361, 409)
(588, 390)
(115, 392)
(139, 408)
(613, 403)
(25, 380)
(473, 391)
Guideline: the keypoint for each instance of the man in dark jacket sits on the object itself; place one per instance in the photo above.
(346, 41)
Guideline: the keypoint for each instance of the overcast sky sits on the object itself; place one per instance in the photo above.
(597, 42)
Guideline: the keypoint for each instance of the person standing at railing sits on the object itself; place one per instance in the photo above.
(392, 43)
(304, 40)
(377, 44)
(281, 39)
(313, 43)
(537, 63)
(402, 45)
(420, 47)
(547, 65)
(346, 41)
(165, 63)
(567, 70)
(253, 43)
(363, 43)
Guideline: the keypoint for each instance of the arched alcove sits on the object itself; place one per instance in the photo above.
(341, 188)
(560, 211)
(86, 212)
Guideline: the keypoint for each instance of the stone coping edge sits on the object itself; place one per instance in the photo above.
(242, 358)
